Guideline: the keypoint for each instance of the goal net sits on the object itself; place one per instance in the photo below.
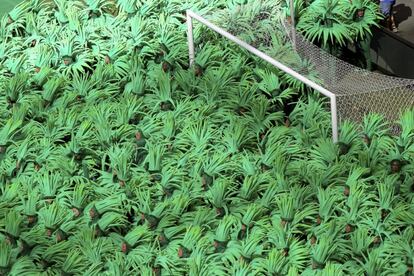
(357, 91)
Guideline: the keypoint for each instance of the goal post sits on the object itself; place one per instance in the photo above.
(192, 15)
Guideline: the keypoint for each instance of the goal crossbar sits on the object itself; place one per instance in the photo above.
(192, 15)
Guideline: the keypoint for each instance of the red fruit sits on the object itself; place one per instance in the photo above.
(220, 211)
(360, 13)
(348, 228)
(122, 183)
(76, 212)
(314, 265)
(124, 247)
(156, 271)
(97, 232)
(216, 244)
(384, 214)
(366, 139)
(31, 219)
(395, 166)
(180, 252)
(59, 237)
(107, 59)
(346, 191)
(138, 135)
(165, 66)
(92, 213)
(37, 69)
(287, 123)
(242, 110)
(198, 72)
(318, 220)
(162, 239)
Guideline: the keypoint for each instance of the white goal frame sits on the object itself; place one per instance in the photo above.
(192, 15)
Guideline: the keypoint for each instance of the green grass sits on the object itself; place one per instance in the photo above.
(7, 5)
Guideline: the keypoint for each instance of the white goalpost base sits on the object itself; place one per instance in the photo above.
(192, 15)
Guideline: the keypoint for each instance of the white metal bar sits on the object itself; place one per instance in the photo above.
(260, 54)
(190, 38)
(269, 59)
(334, 117)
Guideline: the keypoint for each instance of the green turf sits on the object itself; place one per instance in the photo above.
(7, 5)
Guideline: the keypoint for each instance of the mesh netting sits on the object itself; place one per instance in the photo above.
(358, 91)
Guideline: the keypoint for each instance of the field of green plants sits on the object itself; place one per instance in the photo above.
(117, 158)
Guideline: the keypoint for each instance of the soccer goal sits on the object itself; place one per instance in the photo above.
(333, 101)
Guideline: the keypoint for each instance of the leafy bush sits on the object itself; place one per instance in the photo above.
(118, 158)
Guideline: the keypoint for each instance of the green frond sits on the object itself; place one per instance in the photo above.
(13, 223)
(53, 216)
(74, 262)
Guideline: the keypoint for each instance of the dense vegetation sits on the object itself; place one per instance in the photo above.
(116, 158)
(336, 24)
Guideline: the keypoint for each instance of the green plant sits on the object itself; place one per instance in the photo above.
(117, 157)
(322, 251)
(334, 23)
(219, 194)
(52, 216)
(223, 232)
(326, 22)
(9, 129)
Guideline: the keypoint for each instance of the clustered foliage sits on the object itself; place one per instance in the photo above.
(334, 23)
(118, 159)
